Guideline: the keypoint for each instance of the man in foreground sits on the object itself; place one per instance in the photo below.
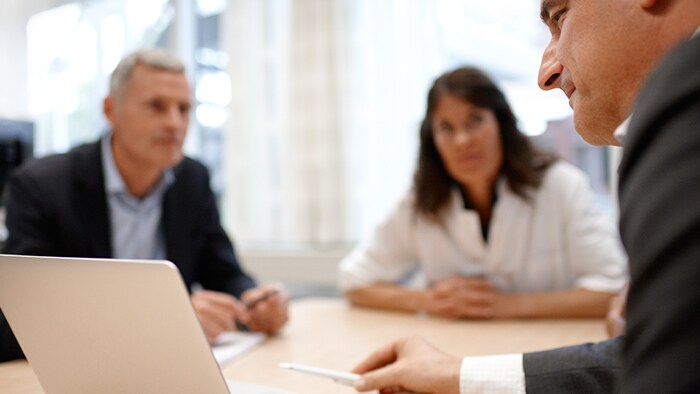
(600, 54)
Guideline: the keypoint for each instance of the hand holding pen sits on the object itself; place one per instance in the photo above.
(262, 309)
(267, 307)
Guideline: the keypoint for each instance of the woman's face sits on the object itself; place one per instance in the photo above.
(468, 139)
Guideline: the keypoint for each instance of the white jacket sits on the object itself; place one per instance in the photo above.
(559, 240)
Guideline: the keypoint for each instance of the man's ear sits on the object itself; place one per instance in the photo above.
(108, 105)
(647, 4)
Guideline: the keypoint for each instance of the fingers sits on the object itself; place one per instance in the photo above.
(470, 296)
(409, 364)
(461, 283)
(382, 379)
(462, 297)
(391, 390)
(615, 322)
(614, 326)
(257, 294)
(217, 312)
(379, 370)
(615, 318)
(379, 358)
(267, 308)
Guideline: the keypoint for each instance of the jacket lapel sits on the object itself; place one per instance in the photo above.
(92, 211)
(174, 221)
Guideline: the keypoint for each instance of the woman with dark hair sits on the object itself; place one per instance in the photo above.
(498, 228)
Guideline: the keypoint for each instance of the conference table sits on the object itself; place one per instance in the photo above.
(330, 333)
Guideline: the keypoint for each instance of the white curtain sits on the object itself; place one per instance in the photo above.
(328, 95)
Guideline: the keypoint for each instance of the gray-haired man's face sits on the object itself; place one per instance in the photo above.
(150, 116)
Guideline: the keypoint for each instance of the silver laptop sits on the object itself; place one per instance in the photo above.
(108, 326)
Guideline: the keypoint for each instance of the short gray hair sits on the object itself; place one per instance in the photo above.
(151, 57)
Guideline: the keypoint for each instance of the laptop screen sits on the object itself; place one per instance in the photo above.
(101, 325)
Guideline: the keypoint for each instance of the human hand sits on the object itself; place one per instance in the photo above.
(409, 364)
(615, 319)
(267, 307)
(461, 297)
(218, 312)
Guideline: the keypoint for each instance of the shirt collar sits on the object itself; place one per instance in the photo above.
(114, 183)
(621, 130)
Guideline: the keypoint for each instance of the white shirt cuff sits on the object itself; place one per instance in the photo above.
(499, 374)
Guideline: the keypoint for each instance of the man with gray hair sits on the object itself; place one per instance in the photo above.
(134, 195)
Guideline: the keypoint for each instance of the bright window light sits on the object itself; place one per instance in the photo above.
(211, 116)
(211, 7)
(214, 88)
(47, 35)
(112, 33)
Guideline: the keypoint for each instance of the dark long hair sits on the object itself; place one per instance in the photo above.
(523, 165)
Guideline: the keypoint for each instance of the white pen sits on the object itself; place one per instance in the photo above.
(346, 378)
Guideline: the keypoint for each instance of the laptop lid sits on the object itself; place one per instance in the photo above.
(107, 326)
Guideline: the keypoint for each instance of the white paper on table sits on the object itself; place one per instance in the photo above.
(230, 345)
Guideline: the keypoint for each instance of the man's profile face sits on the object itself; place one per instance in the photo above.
(149, 117)
(593, 58)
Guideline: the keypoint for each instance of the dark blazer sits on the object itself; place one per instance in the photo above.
(589, 368)
(57, 206)
(660, 228)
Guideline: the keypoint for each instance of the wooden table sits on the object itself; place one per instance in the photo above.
(329, 333)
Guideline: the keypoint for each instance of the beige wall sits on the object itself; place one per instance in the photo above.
(294, 268)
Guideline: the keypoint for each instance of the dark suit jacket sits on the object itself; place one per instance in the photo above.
(57, 206)
(660, 228)
(589, 368)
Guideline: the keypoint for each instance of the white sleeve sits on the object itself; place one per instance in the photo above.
(499, 374)
(597, 256)
(389, 255)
